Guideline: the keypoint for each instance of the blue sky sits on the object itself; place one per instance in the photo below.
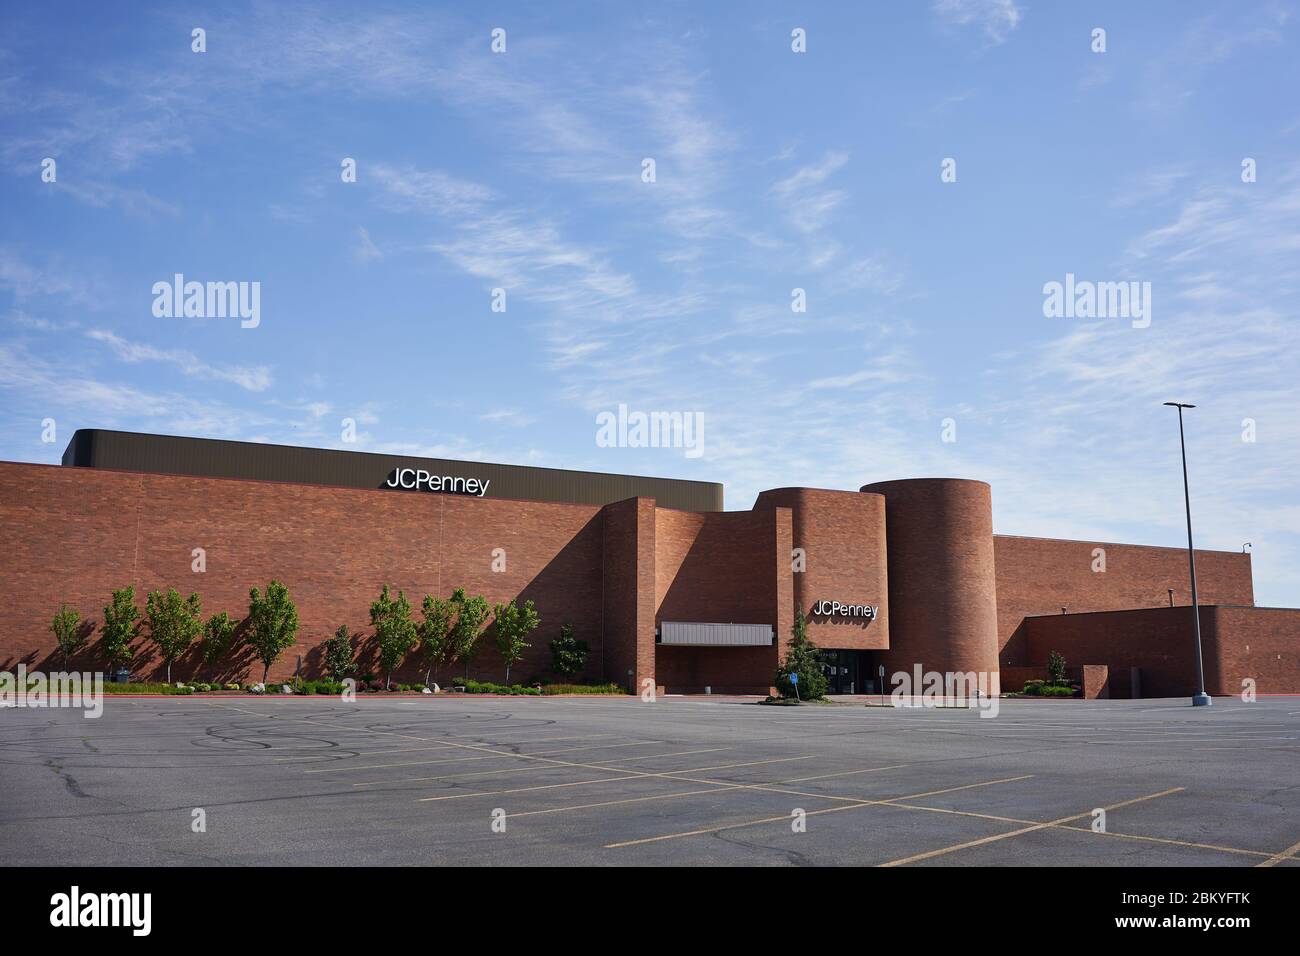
(775, 170)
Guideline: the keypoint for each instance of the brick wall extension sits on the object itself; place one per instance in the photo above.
(1259, 643)
(1038, 576)
(723, 567)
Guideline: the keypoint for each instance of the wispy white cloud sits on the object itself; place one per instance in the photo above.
(998, 19)
(365, 250)
(253, 378)
(804, 196)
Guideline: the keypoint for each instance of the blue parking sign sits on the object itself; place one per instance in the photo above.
(794, 678)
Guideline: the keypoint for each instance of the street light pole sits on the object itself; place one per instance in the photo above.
(1200, 698)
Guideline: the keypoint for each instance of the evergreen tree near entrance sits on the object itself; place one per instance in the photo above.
(801, 658)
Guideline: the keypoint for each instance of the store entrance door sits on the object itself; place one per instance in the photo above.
(845, 671)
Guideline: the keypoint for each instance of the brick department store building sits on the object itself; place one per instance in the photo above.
(659, 581)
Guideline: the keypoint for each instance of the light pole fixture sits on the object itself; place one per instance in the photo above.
(1200, 698)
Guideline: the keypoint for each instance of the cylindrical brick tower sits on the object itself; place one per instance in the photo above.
(942, 589)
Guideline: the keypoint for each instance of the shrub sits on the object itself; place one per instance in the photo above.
(233, 687)
(146, 688)
(1033, 688)
(583, 689)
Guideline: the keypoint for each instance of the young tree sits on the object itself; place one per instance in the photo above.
(272, 624)
(174, 623)
(436, 645)
(801, 658)
(511, 626)
(395, 632)
(121, 625)
(68, 632)
(1056, 669)
(339, 660)
(218, 638)
(471, 612)
(568, 654)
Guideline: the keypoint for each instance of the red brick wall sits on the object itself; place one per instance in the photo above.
(75, 534)
(842, 534)
(1040, 575)
(629, 554)
(1262, 643)
(1237, 642)
(942, 591)
(721, 567)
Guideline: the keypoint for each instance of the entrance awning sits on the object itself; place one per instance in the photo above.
(695, 634)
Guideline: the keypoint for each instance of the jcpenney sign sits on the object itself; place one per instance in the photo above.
(417, 479)
(836, 609)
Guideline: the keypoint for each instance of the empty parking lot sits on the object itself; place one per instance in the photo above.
(603, 781)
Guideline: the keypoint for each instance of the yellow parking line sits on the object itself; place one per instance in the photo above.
(424, 763)
(1108, 833)
(847, 773)
(931, 854)
(721, 785)
(1277, 858)
(628, 775)
(786, 817)
(614, 803)
(530, 768)
(348, 753)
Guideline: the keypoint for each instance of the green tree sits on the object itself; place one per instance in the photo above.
(272, 624)
(512, 625)
(121, 625)
(218, 638)
(568, 654)
(471, 612)
(801, 658)
(1056, 669)
(339, 659)
(174, 623)
(395, 632)
(435, 632)
(68, 632)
